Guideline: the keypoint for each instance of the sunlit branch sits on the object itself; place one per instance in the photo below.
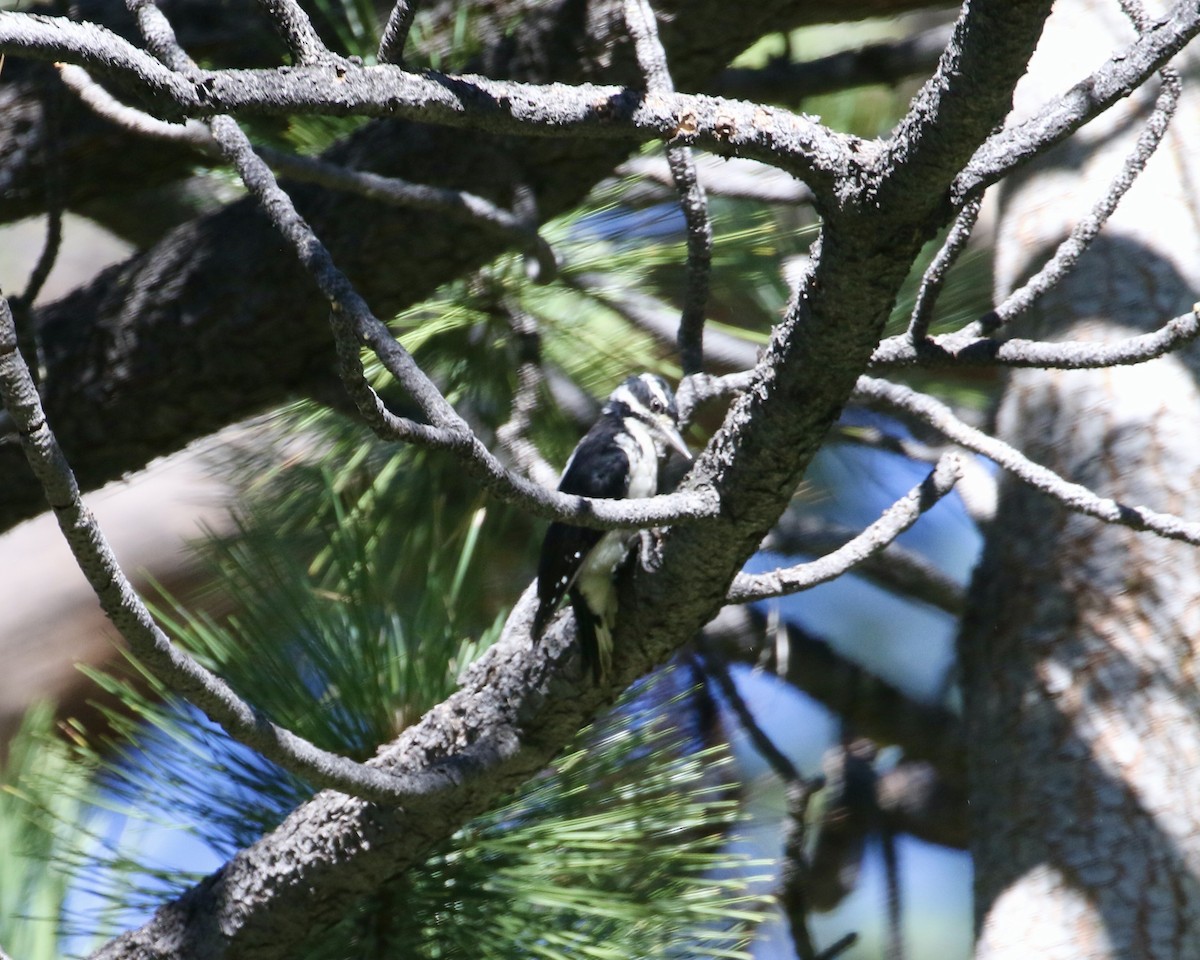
(699, 388)
(774, 135)
(513, 435)
(124, 608)
(1124, 72)
(957, 348)
(894, 521)
(391, 190)
(395, 31)
(935, 275)
(1073, 496)
(1086, 230)
(297, 31)
(895, 569)
(652, 59)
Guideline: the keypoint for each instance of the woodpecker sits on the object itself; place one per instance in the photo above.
(616, 459)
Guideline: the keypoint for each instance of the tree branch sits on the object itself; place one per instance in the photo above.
(935, 275)
(1071, 495)
(297, 31)
(392, 190)
(56, 38)
(771, 134)
(895, 569)
(395, 32)
(180, 672)
(513, 434)
(960, 348)
(1086, 230)
(875, 538)
(1125, 71)
(692, 201)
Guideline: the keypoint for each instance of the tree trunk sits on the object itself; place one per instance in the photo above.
(1080, 650)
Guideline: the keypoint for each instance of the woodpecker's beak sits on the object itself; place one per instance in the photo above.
(671, 434)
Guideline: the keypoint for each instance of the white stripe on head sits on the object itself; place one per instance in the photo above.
(658, 388)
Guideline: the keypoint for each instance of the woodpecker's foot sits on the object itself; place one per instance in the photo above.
(650, 549)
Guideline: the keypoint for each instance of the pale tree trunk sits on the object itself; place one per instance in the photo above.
(1081, 652)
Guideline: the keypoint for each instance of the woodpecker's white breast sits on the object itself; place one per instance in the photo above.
(638, 444)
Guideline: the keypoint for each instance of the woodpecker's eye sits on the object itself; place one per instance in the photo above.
(656, 405)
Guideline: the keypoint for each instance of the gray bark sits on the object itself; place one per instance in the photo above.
(222, 304)
(1080, 649)
(514, 710)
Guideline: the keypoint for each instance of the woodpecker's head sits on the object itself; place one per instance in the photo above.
(647, 399)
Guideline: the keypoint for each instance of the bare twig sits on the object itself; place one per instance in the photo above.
(1125, 71)
(894, 949)
(894, 521)
(1086, 230)
(796, 873)
(1073, 496)
(160, 37)
(784, 139)
(460, 203)
(392, 190)
(780, 763)
(192, 133)
(935, 275)
(28, 340)
(653, 61)
(513, 435)
(127, 612)
(963, 348)
(354, 324)
(395, 31)
(895, 568)
(838, 947)
(701, 387)
(297, 31)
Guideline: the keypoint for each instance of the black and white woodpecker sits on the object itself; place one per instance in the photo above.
(617, 458)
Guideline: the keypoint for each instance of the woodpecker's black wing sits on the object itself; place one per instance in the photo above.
(597, 468)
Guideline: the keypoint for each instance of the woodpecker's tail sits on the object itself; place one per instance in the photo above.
(541, 620)
(595, 637)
